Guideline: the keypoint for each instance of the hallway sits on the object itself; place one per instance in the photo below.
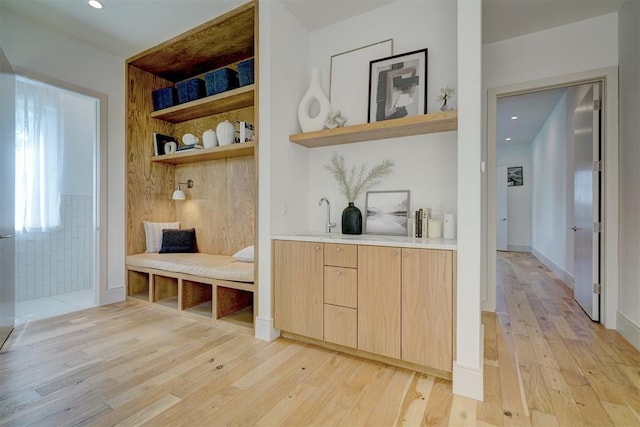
(570, 370)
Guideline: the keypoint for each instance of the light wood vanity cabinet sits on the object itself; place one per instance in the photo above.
(427, 303)
(379, 300)
(392, 302)
(298, 288)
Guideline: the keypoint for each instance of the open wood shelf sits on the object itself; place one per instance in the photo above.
(406, 126)
(215, 153)
(227, 101)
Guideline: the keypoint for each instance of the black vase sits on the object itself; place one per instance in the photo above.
(351, 220)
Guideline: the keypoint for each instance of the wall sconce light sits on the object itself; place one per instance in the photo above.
(179, 194)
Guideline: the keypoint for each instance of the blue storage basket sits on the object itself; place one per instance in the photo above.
(245, 72)
(164, 98)
(191, 89)
(221, 80)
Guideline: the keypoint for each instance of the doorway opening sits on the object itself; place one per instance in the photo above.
(56, 200)
(547, 176)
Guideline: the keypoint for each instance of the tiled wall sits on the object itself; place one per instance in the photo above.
(61, 260)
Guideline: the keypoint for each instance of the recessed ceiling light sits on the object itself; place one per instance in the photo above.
(95, 4)
(514, 117)
(507, 139)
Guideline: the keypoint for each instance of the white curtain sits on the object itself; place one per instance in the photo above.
(38, 156)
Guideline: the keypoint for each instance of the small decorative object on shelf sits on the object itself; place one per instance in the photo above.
(351, 184)
(170, 147)
(314, 93)
(245, 72)
(387, 212)
(158, 143)
(449, 226)
(221, 80)
(446, 93)
(335, 120)
(209, 138)
(190, 139)
(164, 98)
(246, 131)
(226, 132)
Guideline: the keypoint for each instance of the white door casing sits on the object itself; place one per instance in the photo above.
(7, 197)
(502, 224)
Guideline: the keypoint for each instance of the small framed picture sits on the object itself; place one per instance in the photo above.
(387, 212)
(514, 176)
(158, 143)
(398, 86)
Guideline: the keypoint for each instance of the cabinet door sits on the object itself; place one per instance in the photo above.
(379, 300)
(427, 303)
(298, 288)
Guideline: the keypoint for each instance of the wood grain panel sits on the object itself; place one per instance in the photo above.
(341, 286)
(231, 300)
(221, 204)
(427, 304)
(194, 293)
(221, 41)
(340, 255)
(164, 287)
(149, 185)
(341, 325)
(379, 300)
(297, 287)
(138, 283)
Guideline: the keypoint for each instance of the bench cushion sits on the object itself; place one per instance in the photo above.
(221, 267)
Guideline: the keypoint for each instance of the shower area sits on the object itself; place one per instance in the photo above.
(55, 199)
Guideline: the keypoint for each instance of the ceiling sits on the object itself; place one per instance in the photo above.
(127, 27)
(532, 110)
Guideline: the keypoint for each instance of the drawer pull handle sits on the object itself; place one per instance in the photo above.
(339, 273)
(338, 249)
(317, 248)
(394, 253)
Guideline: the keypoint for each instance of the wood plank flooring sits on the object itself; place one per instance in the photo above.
(130, 364)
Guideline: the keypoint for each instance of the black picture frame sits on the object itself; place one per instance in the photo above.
(514, 176)
(158, 143)
(398, 86)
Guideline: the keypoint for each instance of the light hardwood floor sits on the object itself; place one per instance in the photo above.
(126, 364)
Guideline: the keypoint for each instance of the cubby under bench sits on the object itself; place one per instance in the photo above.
(215, 287)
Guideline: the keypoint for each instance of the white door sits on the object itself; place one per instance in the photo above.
(586, 199)
(7, 188)
(502, 231)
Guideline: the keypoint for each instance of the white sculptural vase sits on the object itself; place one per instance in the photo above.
(226, 133)
(209, 138)
(313, 94)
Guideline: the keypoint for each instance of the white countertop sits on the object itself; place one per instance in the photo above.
(371, 240)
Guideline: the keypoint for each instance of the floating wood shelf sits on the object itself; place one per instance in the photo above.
(203, 107)
(406, 126)
(199, 155)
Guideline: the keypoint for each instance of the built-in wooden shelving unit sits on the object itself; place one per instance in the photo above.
(200, 155)
(406, 126)
(203, 107)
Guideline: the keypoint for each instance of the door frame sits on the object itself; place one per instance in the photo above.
(608, 77)
(100, 255)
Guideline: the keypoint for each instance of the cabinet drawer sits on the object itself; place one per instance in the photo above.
(341, 325)
(341, 286)
(339, 255)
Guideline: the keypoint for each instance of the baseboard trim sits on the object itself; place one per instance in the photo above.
(264, 329)
(519, 248)
(566, 278)
(628, 329)
(467, 381)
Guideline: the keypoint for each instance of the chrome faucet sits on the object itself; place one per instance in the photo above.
(329, 224)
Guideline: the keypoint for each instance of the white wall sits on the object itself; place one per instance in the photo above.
(550, 190)
(581, 46)
(629, 308)
(426, 165)
(44, 52)
(518, 198)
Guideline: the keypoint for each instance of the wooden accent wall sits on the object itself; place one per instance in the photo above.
(221, 204)
(149, 185)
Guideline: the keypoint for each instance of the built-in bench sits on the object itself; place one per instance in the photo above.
(204, 285)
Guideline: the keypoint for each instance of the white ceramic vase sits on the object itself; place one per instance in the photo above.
(170, 147)
(209, 138)
(314, 93)
(226, 133)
